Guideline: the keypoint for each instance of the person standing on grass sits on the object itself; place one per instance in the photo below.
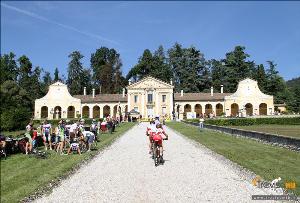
(201, 121)
(46, 133)
(28, 138)
(60, 133)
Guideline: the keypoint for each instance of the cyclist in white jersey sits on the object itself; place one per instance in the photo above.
(46, 132)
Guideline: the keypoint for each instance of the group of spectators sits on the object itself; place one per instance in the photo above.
(67, 134)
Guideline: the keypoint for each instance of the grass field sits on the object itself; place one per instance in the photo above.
(265, 160)
(14, 134)
(22, 175)
(284, 130)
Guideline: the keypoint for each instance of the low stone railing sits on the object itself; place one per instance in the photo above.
(288, 142)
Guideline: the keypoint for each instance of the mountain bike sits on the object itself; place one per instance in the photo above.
(158, 159)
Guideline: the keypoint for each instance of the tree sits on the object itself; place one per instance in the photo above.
(106, 65)
(78, 77)
(16, 106)
(260, 76)
(25, 71)
(237, 67)
(190, 69)
(161, 69)
(56, 75)
(9, 68)
(275, 85)
(47, 80)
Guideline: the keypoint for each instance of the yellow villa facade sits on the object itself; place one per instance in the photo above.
(151, 97)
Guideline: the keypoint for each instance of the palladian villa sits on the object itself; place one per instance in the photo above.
(151, 97)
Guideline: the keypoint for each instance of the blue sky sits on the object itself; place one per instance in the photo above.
(47, 32)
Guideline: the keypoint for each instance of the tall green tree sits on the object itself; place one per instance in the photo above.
(238, 67)
(9, 68)
(106, 65)
(56, 75)
(275, 84)
(25, 71)
(16, 106)
(260, 76)
(46, 82)
(190, 69)
(77, 75)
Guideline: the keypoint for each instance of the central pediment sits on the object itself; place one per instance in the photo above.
(150, 83)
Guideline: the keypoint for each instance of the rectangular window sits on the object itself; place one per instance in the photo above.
(164, 98)
(164, 110)
(135, 98)
(150, 98)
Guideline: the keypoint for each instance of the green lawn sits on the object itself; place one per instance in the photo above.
(18, 133)
(284, 130)
(21, 175)
(265, 160)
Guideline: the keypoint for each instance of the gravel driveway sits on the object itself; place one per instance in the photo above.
(124, 172)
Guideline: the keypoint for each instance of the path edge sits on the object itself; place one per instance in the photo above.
(48, 188)
(242, 172)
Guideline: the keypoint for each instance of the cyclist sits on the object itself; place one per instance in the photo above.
(151, 128)
(158, 137)
(60, 135)
(74, 146)
(28, 138)
(46, 132)
(73, 130)
(89, 138)
(94, 128)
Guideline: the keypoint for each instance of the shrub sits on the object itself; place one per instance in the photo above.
(251, 121)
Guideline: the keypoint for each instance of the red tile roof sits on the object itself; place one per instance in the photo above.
(200, 96)
(102, 98)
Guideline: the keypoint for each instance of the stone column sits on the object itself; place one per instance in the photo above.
(128, 101)
(214, 108)
(91, 112)
(181, 109)
(171, 105)
(143, 105)
(157, 104)
(101, 111)
(192, 108)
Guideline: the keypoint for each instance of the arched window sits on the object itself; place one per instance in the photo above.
(234, 109)
(44, 112)
(71, 112)
(187, 108)
(106, 111)
(57, 112)
(219, 109)
(263, 109)
(96, 112)
(198, 110)
(208, 109)
(85, 112)
(249, 109)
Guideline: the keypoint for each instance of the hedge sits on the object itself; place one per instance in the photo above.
(250, 121)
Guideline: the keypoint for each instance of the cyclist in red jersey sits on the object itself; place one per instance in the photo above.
(158, 136)
(151, 128)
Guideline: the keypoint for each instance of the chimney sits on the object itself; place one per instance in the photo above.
(211, 91)
(93, 92)
(222, 89)
(84, 91)
(100, 89)
(129, 82)
(123, 95)
(181, 93)
(171, 82)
